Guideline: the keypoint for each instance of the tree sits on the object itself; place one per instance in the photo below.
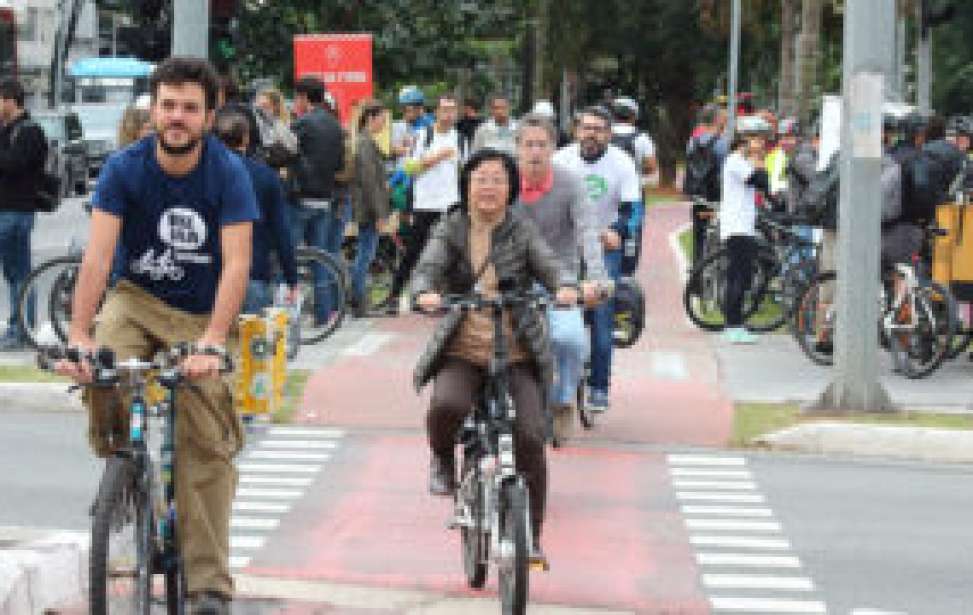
(808, 58)
(787, 92)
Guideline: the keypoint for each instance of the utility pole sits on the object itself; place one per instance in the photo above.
(868, 52)
(734, 69)
(190, 28)
(923, 61)
(540, 50)
(899, 85)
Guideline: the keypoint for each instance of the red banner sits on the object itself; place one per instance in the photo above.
(342, 61)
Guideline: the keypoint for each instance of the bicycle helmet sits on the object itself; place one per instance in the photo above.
(753, 125)
(411, 95)
(625, 107)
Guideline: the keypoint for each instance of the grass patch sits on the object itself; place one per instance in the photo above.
(751, 420)
(657, 196)
(686, 243)
(27, 373)
(293, 395)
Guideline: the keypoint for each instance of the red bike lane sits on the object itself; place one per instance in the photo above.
(614, 534)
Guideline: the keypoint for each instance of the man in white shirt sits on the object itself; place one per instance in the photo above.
(614, 191)
(500, 131)
(434, 163)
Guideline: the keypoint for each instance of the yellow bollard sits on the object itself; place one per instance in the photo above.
(279, 319)
(254, 383)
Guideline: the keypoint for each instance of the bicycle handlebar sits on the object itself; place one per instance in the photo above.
(107, 367)
(477, 301)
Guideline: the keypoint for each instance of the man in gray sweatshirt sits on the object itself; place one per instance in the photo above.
(556, 199)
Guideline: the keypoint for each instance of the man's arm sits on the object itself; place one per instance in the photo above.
(236, 244)
(93, 277)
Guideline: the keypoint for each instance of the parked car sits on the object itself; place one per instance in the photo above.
(66, 137)
(100, 122)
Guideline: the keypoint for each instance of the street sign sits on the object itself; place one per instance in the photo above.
(342, 61)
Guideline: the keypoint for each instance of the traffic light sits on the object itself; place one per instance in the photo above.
(935, 14)
(146, 42)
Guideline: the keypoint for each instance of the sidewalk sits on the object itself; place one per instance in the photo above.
(40, 569)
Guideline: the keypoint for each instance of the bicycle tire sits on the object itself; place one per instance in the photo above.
(961, 342)
(473, 539)
(936, 312)
(118, 497)
(175, 589)
(60, 301)
(805, 325)
(313, 330)
(34, 278)
(585, 415)
(513, 575)
(704, 291)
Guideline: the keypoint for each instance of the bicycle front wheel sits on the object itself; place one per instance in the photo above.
(121, 546)
(323, 280)
(473, 536)
(814, 319)
(513, 557)
(705, 292)
(922, 349)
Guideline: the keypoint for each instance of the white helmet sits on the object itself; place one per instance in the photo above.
(544, 108)
(624, 105)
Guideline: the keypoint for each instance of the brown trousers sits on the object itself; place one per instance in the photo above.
(452, 400)
(208, 432)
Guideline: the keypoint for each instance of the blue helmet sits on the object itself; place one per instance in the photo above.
(411, 95)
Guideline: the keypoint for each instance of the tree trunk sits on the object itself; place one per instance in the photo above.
(787, 93)
(808, 58)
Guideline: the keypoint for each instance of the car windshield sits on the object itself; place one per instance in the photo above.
(100, 121)
(53, 126)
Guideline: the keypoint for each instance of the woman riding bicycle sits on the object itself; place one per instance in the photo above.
(478, 243)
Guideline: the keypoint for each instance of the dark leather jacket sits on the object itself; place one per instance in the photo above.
(519, 252)
(21, 164)
(321, 153)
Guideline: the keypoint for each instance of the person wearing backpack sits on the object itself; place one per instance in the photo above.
(641, 149)
(705, 153)
(23, 152)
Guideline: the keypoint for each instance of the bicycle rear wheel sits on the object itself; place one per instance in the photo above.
(514, 551)
(323, 280)
(44, 303)
(814, 319)
(121, 546)
(923, 348)
(705, 290)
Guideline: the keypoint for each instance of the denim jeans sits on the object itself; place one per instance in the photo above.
(260, 294)
(367, 244)
(602, 326)
(315, 228)
(570, 349)
(15, 231)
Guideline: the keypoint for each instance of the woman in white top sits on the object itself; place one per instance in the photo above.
(743, 174)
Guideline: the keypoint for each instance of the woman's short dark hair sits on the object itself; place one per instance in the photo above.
(11, 89)
(486, 155)
(312, 87)
(179, 70)
(232, 127)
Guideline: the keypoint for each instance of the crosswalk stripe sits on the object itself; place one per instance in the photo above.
(710, 496)
(283, 468)
(298, 444)
(727, 511)
(254, 523)
(239, 561)
(246, 542)
(704, 460)
(733, 525)
(263, 507)
(763, 605)
(277, 494)
(747, 560)
(697, 473)
(288, 455)
(727, 485)
(740, 581)
(741, 542)
(307, 432)
(279, 481)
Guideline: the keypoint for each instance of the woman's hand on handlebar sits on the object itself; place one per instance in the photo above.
(429, 302)
(591, 293)
(566, 296)
(80, 372)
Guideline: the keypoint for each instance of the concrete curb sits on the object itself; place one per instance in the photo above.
(39, 397)
(37, 574)
(913, 443)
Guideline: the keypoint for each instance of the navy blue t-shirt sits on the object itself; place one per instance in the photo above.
(170, 238)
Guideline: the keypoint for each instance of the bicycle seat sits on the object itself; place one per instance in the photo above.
(937, 231)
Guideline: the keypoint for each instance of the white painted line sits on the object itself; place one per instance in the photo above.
(275, 494)
(254, 523)
(732, 525)
(749, 561)
(705, 460)
(263, 507)
(307, 432)
(367, 344)
(283, 468)
(763, 605)
(279, 481)
(682, 262)
(298, 444)
(725, 485)
(668, 366)
(741, 542)
(246, 542)
(288, 456)
(875, 612)
(705, 473)
(726, 498)
(239, 561)
(727, 511)
(741, 581)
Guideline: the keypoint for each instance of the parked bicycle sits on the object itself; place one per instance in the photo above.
(134, 531)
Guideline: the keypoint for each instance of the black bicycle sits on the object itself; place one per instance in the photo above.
(134, 533)
(491, 502)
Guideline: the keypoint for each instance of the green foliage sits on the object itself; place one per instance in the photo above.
(953, 63)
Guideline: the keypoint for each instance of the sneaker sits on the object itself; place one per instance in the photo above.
(442, 475)
(744, 337)
(598, 401)
(730, 335)
(211, 603)
(563, 421)
(537, 559)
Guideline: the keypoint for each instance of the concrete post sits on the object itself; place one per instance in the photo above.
(868, 44)
(734, 70)
(923, 66)
(190, 28)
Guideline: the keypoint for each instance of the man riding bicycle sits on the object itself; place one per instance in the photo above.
(182, 197)
(476, 245)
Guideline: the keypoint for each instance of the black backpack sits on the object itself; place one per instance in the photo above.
(819, 200)
(626, 143)
(703, 171)
(922, 188)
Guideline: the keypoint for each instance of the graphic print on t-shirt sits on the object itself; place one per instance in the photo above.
(597, 187)
(183, 233)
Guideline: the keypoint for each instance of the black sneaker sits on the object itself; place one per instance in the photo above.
(442, 475)
(211, 603)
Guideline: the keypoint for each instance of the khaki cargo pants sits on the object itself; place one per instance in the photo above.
(208, 432)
